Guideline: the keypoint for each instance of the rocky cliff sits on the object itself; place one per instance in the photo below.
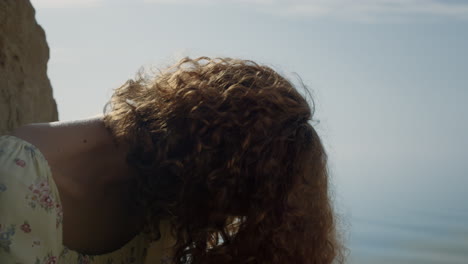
(25, 90)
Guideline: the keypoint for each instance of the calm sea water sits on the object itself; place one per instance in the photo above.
(419, 236)
(415, 219)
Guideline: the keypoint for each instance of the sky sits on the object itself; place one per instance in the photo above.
(389, 77)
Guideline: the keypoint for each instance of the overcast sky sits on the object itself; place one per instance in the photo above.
(390, 78)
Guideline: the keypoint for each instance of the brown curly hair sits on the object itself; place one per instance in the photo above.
(224, 150)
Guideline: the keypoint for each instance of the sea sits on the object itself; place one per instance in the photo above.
(414, 214)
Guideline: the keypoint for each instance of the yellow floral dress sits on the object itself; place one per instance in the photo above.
(31, 215)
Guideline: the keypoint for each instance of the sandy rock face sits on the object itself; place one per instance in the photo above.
(25, 90)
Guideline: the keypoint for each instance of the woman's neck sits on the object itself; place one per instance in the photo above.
(88, 143)
(74, 146)
(95, 184)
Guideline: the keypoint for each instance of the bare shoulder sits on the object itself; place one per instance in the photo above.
(62, 140)
(37, 134)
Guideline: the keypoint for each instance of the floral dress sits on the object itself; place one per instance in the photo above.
(31, 216)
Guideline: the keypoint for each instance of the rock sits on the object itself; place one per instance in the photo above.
(25, 90)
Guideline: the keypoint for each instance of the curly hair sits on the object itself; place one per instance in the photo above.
(224, 150)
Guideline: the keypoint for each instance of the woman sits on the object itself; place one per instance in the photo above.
(212, 160)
